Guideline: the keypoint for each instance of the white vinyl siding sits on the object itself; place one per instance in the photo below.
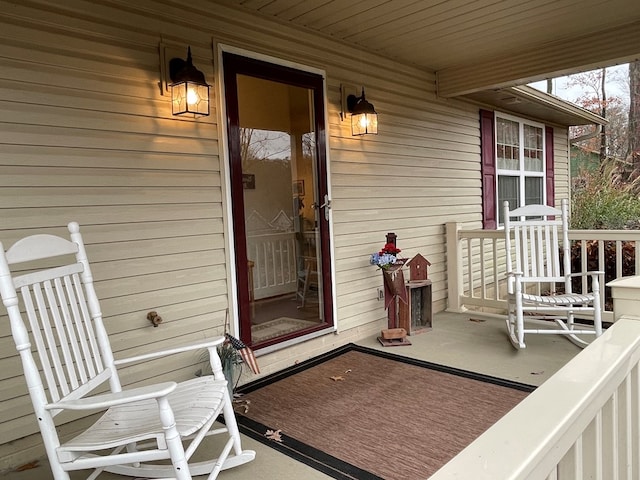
(561, 164)
(86, 136)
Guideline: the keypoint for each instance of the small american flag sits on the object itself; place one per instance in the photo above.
(245, 352)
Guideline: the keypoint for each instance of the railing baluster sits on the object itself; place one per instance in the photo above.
(265, 262)
(601, 264)
(584, 264)
(496, 283)
(483, 285)
(282, 264)
(470, 267)
(635, 422)
(619, 258)
(626, 430)
(610, 437)
(579, 459)
(569, 465)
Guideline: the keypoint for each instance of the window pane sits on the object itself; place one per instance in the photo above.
(532, 142)
(508, 190)
(277, 152)
(508, 144)
(533, 190)
(520, 163)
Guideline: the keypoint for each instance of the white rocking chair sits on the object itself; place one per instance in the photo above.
(140, 425)
(537, 245)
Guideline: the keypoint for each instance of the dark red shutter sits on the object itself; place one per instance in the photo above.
(488, 169)
(548, 153)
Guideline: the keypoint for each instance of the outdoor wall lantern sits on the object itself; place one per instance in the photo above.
(189, 90)
(364, 119)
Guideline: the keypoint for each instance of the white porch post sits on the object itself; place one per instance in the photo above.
(454, 268)
(625, 292)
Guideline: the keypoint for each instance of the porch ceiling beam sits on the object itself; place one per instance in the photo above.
(588, 52)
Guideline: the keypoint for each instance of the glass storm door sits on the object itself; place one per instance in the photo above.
(280, 205)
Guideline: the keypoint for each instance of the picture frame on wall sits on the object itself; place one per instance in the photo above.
(298, 188)
(248, 181)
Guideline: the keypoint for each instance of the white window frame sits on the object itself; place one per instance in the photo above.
(521, 173)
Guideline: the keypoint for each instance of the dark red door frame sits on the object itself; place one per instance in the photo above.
(234, 65)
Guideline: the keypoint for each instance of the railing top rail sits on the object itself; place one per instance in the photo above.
(477, 233)
(625, 235)
(610, 235)
(533, 437)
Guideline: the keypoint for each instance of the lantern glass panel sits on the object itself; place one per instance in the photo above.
(364, 123)
(190, 98)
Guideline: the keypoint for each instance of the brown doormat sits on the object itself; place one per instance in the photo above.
(358, 413)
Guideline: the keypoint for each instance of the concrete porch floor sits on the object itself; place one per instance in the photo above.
(468, 341)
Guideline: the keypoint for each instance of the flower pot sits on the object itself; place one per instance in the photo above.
(229, 371)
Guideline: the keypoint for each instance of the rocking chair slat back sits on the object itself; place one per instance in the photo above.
(60, 324)
(536, 250)
(536, 245)
(62, 332)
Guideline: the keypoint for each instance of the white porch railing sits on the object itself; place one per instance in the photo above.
(584, 422)
(476, 268)
(275, 269)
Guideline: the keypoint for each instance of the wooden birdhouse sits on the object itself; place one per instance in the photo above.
(418, 268)
(416, 314)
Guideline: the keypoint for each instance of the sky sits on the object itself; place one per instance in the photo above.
(617, 85)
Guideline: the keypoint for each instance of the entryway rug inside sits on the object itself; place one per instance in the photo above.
(279, 326)
(359, 413)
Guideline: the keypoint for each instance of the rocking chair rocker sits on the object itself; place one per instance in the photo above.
(538, 245)
(140, 425)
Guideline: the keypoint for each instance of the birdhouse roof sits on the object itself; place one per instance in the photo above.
(419, 259)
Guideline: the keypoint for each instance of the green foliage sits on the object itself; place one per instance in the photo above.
(583, 160)
(599, 203)
(229, 357)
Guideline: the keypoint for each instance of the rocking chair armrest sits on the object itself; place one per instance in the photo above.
(522, 279)
(213, 342)
(584, 274)
(112, 399)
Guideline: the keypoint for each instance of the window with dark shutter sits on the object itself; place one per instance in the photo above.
(517, 164)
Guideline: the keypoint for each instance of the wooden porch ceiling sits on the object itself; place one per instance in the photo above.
(474, 45)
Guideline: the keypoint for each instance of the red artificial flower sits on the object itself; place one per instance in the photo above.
(390, 249)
